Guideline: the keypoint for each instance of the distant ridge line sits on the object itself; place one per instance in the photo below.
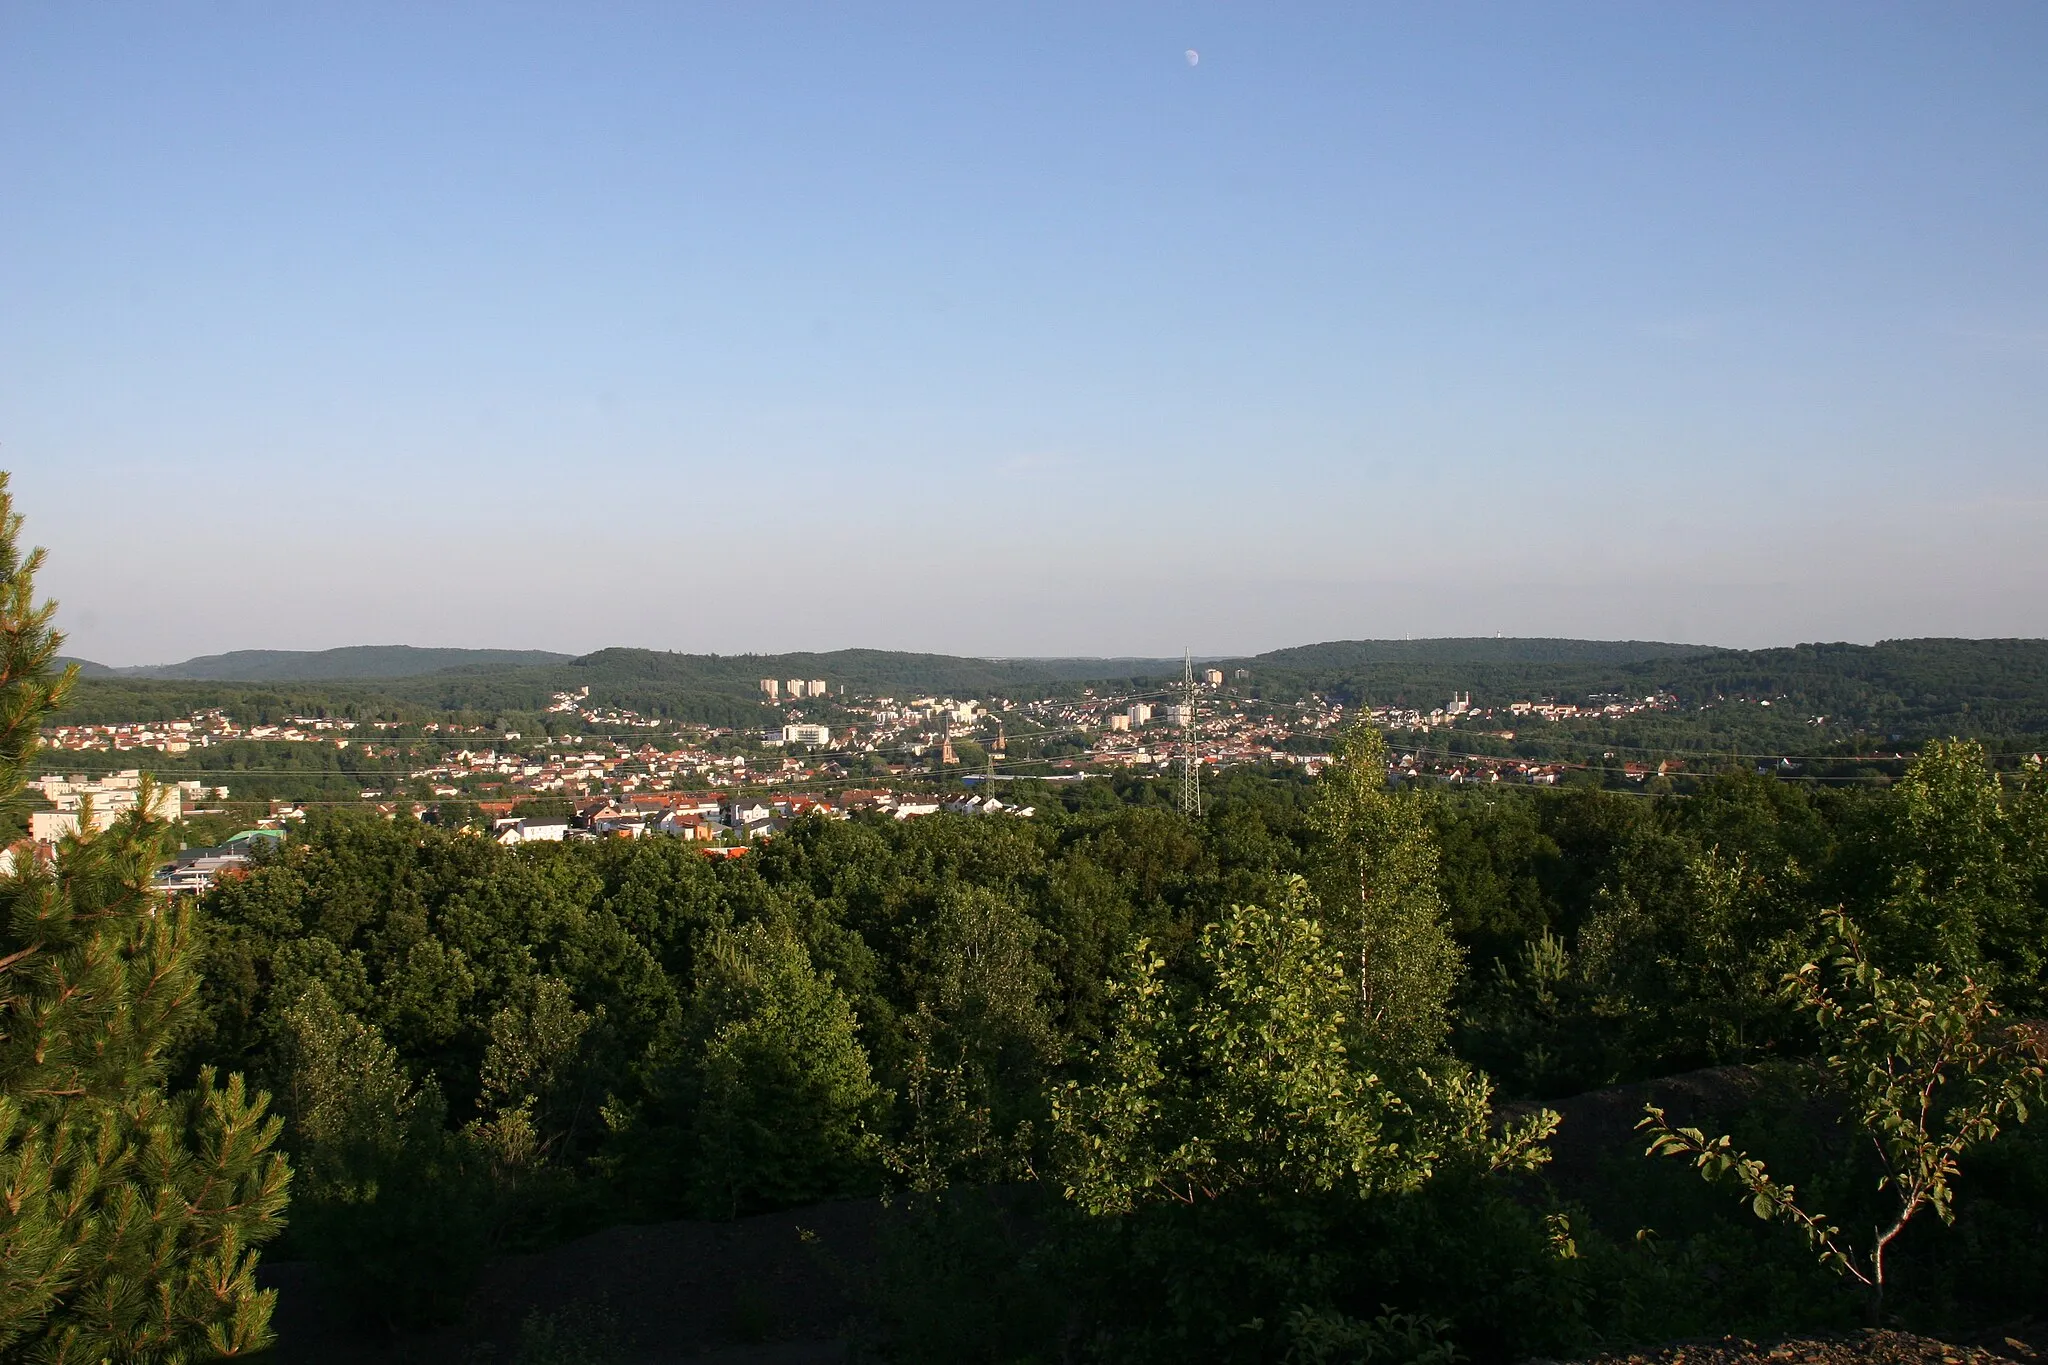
(347, 663)
(385, 663)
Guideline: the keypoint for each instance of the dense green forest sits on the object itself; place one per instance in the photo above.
(480, 1049)
(1314, 1075)
(1034, 1032)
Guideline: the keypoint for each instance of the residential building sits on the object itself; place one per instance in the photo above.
(689, 825)
(744, 811)
(819, 735)
(111, 796)
(532, 831)
(24, 853)
(767, 827)
(109, 799)
(197, 875)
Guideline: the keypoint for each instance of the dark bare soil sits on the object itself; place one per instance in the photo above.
(773, 1290)
(1600, 1124)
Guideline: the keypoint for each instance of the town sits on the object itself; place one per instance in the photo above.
(870, 737)
(604, 771)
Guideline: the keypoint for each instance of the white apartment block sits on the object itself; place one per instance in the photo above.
(110, 798)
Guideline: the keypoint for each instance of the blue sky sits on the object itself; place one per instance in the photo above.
(1009, 330)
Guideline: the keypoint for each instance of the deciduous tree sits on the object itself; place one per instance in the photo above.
(1375, 879)
(1929, 1069)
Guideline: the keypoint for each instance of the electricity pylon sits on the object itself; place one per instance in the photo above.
(1190, 752)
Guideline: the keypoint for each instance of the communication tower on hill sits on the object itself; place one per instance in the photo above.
(1190, 743)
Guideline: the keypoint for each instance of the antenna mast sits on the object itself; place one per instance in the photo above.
(1190, 750)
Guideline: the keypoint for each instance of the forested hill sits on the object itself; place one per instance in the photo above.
(1341, 654)
(859, 670)
(714, 688)
(1914, 689)
(351, 663)
(1911, 688)
(725, 688)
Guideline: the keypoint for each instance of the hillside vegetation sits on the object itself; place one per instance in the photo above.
(1229, 1073)
(1909, 689)
(350, 662)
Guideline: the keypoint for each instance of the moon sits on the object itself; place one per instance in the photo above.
(1194, 57)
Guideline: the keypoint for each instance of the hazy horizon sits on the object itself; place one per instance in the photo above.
(1025, 334)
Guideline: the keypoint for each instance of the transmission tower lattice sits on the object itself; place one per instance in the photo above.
(1190, 743)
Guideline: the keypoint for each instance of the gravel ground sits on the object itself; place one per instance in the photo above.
(1876, 1347)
